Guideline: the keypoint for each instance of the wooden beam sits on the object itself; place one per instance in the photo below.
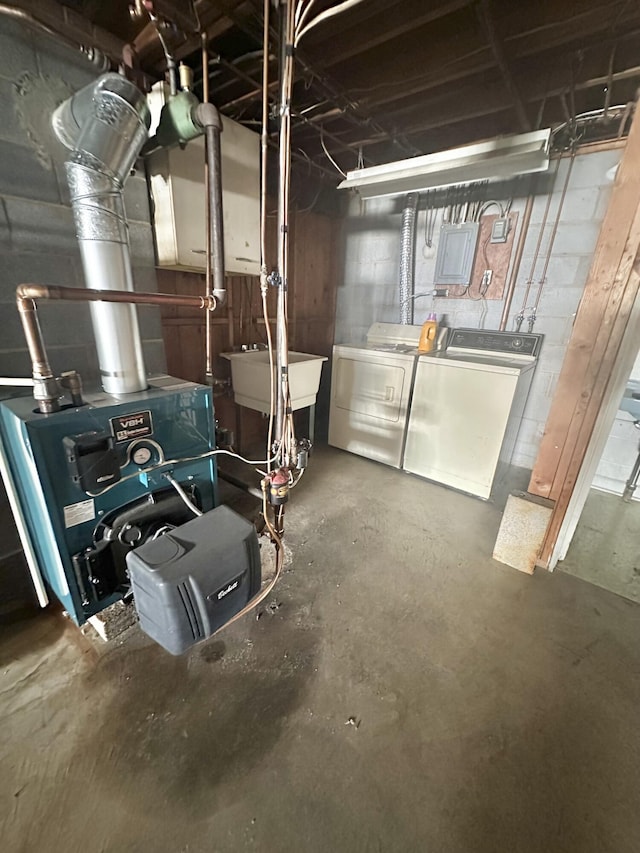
(379, 31)
(450, 112)
(457, 58)
(609, 295)
(329, 88)
(486, 19)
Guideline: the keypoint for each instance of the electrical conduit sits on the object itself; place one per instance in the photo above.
(408, 257)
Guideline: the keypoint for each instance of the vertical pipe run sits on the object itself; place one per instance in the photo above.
(408, 257)
(105, 126)
(208, 118)
(214, 201)
(208, 325)
(515, 269)
(264, 282)
(282, 349)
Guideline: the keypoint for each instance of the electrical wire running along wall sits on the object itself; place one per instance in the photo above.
(38, 240)
(368, 290)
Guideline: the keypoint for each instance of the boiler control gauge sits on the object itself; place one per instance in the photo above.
(141, 455)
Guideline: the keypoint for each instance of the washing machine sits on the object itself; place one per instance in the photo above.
(467, 407)
(371, 390)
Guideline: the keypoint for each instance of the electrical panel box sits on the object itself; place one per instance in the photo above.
(456, 253)
(176, 179)
(500, 230)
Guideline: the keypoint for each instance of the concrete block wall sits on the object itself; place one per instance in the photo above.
(37, 236)
(369, 290)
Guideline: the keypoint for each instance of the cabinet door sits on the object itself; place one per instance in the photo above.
(177, 184)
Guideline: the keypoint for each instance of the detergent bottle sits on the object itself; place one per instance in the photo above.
(428, 334)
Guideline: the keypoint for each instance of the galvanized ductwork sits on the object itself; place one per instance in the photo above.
(105, 125)
(408, 257)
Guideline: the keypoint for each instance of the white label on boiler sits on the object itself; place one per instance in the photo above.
(79, 513)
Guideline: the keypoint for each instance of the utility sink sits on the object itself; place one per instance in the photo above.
(631, 399)
(251, 384)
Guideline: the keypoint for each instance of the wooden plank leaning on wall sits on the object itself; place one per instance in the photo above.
(609, 294)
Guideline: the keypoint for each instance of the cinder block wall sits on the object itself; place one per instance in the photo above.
(369, 288)
(37, 237)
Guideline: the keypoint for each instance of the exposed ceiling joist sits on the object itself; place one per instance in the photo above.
(395, 78)
(380, 31)
(486, 17)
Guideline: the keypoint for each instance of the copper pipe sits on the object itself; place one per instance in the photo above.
(33, 335)
(96, 57)
(46, 391)
(76, 294)
(46, 388)
(511, 287)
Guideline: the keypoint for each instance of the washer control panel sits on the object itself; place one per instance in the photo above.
(512, 343)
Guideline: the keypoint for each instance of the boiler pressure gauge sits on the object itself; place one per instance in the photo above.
(141, 455)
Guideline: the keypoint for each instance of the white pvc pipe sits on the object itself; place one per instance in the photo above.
(23, 533)
(17, 381)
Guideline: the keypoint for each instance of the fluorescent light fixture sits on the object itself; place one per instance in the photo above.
(482, 161)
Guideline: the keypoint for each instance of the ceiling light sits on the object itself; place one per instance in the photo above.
(483, 161)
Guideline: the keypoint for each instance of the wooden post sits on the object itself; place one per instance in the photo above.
(599, 327)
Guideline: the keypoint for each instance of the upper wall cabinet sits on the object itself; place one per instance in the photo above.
(176, 177)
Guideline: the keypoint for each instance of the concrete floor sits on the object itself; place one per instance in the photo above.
(493, 711)
(605, 549)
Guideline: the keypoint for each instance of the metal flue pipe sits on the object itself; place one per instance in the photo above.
(105, 125)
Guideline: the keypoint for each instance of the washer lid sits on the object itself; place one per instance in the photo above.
(489, 362)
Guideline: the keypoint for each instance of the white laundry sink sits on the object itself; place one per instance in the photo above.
(250, 378)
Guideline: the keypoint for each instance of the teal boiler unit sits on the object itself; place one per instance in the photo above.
(90, 481)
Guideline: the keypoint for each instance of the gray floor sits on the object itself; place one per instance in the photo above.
(606, 546)
(493, 711)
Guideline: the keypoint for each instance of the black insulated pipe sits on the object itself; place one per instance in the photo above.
(208, 117)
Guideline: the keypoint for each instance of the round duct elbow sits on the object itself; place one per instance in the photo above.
(105, 124)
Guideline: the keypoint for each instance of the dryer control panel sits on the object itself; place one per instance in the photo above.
(510, 343)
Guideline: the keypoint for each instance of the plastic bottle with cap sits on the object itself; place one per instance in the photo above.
(428, 334)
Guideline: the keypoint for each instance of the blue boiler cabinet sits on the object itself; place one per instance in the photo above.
(90, 484)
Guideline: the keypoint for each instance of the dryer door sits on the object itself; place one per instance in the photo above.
(369, 402)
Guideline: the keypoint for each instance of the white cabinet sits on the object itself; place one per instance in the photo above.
(176, 177)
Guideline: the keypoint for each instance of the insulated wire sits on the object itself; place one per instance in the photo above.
(284, 418)
(329, 157)
(263, 221)
(218, 451)
(185, 497)
(171, 63)
(277, 541)
(324, 16)
(272, 378)
(301, 16)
